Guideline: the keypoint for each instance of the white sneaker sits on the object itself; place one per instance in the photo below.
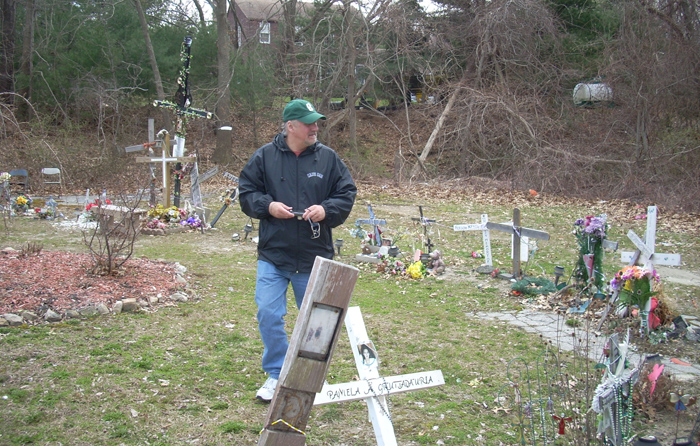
(267, 391)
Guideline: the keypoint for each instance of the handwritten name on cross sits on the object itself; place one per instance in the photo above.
(517, 232)
(375, 222)
(164, 160)
(645, 248)
(485, 236)
(309, 353)
(372, 388)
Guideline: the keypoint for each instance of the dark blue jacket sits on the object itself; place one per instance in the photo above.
(316, 176)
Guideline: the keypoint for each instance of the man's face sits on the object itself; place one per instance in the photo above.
(303, 133)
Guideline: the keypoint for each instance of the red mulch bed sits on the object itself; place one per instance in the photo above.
(62, 281)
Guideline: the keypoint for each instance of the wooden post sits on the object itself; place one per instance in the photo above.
(309, 354)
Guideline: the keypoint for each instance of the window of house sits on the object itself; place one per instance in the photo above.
(265, 32)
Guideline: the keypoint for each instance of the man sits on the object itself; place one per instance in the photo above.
(299, 189)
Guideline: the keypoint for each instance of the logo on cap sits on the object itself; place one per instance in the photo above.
(310, 107)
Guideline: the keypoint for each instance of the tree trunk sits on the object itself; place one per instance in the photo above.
(352, 60)
(222, 153)
(289, 57)
(26, 65)
(7, 48)
(154, 63)
(433, 136)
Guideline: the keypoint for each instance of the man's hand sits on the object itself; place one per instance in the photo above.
(314, 213)
(280, 210)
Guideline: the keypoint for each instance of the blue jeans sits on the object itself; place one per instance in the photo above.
(271, 298)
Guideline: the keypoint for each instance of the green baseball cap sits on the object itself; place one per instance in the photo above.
(301, 110)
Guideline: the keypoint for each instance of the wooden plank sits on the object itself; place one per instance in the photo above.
(167, 159)
(527, 232)
(640, 245)
(310, 351)
(656, 258)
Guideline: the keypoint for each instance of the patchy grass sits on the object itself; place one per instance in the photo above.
(188, 374)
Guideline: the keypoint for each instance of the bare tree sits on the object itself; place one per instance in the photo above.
(223, 104)
(7, 47)
(152, 58)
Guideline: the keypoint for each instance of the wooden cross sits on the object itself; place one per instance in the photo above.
(517, 232)
(425, 222)
(164, 160)
(645, 248)
(485, 235)
(375, 222)
(148, 147)
(182, 109)
(372, 388)
(309, 354)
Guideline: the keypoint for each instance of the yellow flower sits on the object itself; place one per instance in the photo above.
(21, 201)
(416, 270)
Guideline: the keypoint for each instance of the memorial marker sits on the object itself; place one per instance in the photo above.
(183, 111)
(425, 222)
(229, 200)
(485, 236)
(310, 351)
(518, 232)
(645, 248)
(375, 222)
(164, 160)
(373, 388)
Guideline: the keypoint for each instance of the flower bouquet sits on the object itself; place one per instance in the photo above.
(590, 233)
(635, 287)
(21, 204)
(417, 270)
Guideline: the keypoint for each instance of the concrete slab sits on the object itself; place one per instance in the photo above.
(552, 327)
(677, 275)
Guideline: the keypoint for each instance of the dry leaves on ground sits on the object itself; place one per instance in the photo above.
(60, 281)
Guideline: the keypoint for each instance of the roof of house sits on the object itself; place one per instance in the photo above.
(267, 10)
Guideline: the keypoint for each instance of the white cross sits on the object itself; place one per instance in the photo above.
(372, 388)
(485, 236)
(645, 248)
(164, 160)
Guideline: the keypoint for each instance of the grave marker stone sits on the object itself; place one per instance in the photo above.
(371, 387)
(310, 351)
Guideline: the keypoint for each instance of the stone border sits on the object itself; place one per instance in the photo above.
(129, 305)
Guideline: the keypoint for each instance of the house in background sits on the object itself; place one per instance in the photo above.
(258, 20)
